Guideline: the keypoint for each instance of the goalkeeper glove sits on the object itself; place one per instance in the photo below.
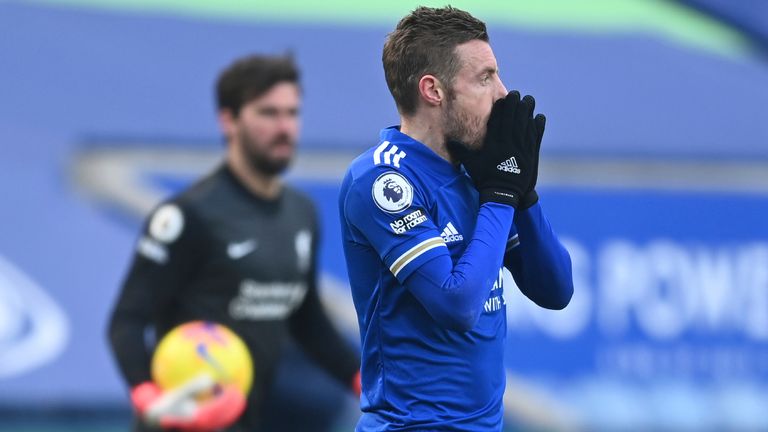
(180, 408)
(357, 385)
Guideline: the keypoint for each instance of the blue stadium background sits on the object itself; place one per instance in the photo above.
(655, 173)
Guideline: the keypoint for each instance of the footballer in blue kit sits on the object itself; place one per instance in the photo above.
(430, 216)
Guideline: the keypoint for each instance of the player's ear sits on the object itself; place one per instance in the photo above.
(431, 90)
(227, 123)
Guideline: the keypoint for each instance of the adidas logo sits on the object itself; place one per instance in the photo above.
(450, 234)
(509, 165)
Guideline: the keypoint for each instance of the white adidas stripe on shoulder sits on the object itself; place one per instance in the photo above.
(391, 157)
(377, 153)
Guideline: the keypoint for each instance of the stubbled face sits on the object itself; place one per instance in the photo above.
(267, 129)
(475, 88)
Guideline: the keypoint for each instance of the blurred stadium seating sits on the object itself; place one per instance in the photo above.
(655, 171)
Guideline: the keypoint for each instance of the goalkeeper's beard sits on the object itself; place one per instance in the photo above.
(258, 157)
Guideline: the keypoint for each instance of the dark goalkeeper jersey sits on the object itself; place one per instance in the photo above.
(217, 252)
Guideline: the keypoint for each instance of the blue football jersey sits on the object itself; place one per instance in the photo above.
(401, 204)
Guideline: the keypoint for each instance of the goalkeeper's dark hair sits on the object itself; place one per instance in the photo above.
(424, 42)
(250, 77)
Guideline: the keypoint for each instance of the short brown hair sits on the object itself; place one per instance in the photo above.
(252, 76)
(424, 42)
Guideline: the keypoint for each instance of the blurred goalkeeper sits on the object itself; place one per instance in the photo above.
(239, 247)
(425, 240)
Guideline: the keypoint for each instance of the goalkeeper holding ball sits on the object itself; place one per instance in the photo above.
(238, 248)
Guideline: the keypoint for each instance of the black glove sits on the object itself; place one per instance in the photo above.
(532, 197)
(504, 169)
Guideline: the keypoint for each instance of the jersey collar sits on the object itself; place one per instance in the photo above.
(225, 171)
(420, 150)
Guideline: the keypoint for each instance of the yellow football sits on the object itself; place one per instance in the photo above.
(199, 347)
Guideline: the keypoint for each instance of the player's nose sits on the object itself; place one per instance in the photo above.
(287, 124)
(501, 90)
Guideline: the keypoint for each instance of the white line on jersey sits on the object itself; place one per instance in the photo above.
(513, 242)
(414, 252)
(391, 156)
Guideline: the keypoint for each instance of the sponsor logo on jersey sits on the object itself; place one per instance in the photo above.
(167, 223)
(238, 250)
(258, 301)
(388, 154)
(405, 223)
(495, 299)
(450, 234)
(392, 192)
(509, 165)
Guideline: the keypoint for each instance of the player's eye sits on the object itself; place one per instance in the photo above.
(268, 112)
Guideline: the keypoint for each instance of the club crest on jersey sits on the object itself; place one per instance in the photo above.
(167, 223)
(392, 192)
